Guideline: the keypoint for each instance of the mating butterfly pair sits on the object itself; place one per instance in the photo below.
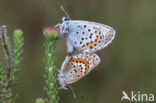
(85, 37)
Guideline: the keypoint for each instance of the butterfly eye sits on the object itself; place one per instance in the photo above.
(67, 86)
(64, 18)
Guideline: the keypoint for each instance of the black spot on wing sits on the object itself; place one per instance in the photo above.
(85, 26)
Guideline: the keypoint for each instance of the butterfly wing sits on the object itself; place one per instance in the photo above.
(79, 66)
(88, 36)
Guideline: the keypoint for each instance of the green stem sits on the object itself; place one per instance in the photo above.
(50, 69)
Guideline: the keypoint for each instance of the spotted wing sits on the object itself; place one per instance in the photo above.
(79, 66)
(90, 36)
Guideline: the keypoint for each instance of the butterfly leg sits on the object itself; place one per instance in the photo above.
(60, 88)
(57, 25)
(57, 69)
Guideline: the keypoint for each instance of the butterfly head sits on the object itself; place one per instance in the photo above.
(65, 18)
(64, 26)
(63, 84)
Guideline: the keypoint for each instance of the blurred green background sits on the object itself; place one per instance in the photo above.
(129, 63)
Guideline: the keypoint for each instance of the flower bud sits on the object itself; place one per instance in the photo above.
(51, 31)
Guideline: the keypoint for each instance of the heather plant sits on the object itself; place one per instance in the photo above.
(12, 57)
(51, 88)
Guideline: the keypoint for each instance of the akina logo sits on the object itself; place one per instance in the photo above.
(137, 96)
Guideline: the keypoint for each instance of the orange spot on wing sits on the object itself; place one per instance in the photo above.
(97, 41)
(91, 44)
(83, 47)
(80, 60)
(97, 32)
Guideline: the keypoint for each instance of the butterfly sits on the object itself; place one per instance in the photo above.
(85, 36)
(76, 67)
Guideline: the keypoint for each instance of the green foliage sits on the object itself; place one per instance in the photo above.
(40, 100)
(16, 54)
(13, 57)
(51, 87)
(3, 86)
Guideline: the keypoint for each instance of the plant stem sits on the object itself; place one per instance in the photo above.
(50, 69)
(5, 44)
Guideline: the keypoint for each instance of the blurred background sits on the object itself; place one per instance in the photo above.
(128, 64)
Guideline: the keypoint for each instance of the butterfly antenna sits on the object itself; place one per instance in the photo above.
(73, 91)
(70, 89)
(64, 11)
